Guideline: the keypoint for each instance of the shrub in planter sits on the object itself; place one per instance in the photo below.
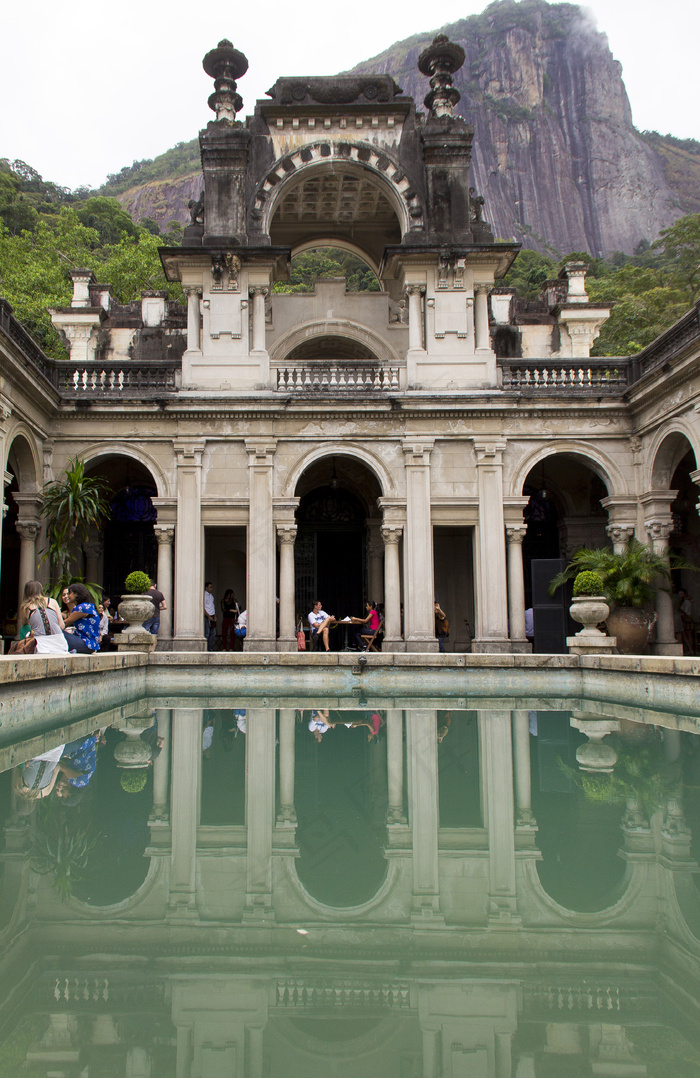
(587, 583)
(137, 583)
(134, 781)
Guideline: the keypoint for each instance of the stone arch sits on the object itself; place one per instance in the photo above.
(630, 890)
(332, 449)
(24, 459)
(342, 245)
(127, 449)
(667, 449)
(319, 909)
(337, 327)
(357, 156)
(599, 463)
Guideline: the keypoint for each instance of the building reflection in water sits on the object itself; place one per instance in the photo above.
(412, 894)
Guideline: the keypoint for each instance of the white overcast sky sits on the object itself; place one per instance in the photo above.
(88, 88)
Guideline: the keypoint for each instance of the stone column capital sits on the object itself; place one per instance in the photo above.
(415, 289)
(260, 451)
(515, 533)
(28, 529)
(94, 546)
(286, 533)
(482, 288)
(192, 290)
(5, 408)
(659, 529)
(417, 451)
(164, 533)
(619, 533)
(489, 452)
(392, 533)
(258, 290)
(189, 452)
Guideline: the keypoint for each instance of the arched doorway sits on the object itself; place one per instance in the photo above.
(673, 468)
(563, 514)
(337, 519)
(129, 541)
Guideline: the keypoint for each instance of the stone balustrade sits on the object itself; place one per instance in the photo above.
(333, 377)
(117, 379)
(593, 376)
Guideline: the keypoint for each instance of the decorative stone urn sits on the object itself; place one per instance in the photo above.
(594, 755)
(588, 611)
(133, 752)
(135, 609)
(632, 627)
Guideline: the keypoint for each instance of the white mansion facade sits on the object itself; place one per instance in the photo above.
(435, 438)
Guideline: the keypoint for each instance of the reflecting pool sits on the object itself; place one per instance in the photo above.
(350, 886)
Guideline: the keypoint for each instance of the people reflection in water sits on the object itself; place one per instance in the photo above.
(372, 721)
(319, 723)
(207, 737)
(77, 766)
(36, 778)
(444, 726)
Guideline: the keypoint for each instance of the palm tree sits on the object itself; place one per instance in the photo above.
(72, 506)
(629, 578)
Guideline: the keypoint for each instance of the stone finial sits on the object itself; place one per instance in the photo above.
(576, 276)
(439, 62)
(225, 64)
(82, 279)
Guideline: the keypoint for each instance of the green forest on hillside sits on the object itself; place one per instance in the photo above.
(47, 230)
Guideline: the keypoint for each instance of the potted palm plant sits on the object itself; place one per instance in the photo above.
(72, 506)
(629, 582)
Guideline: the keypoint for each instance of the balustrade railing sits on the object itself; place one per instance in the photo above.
(116, 380)
(339, 378)
(24, 343)
(669, 344)
(590, 376)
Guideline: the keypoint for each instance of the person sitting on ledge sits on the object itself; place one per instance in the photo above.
(319, 622)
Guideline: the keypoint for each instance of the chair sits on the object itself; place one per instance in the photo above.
(375, 638)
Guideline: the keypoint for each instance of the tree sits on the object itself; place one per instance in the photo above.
(529, 272)
(107, 217)
(71, 507)
(680, 245)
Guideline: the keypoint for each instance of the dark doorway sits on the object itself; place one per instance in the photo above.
(330, 553)
(130, 542)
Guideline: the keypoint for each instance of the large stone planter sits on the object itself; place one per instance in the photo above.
(588, 611)
(632, 627)
(135, 609)
(134, 752)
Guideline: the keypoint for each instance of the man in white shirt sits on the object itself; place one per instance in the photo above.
(319, 621)
(209, 615)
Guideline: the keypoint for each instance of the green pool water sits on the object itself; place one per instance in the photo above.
(464, 884)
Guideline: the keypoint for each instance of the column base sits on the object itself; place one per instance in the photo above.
(260, 645)
(165, 643)
(521, 647)
(668, 649)
(287, 645)
(491, 647)
(394, 644)
(189, 643)
(424, 647)
(258, 908)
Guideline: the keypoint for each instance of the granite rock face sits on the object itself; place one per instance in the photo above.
(555, 153)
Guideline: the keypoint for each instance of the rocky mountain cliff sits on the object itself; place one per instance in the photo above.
(555, 153)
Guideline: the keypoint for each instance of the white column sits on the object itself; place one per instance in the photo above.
(421, 739)
(659, 531)
(184, 810)
(28, 530)
(287, 813)
(515, 533)
(394, 766)
(415, 317)
(392, 536)
(194, 319)
(521, 767)
(260, 812)
(376, 565)
(419, 598)
(93, 549)
(492, 607)
(189, 581)
(286, 534)
(496, 749)
(481, 317)
(259, 292)
(165, 533)
(161, 770)
(260, 595)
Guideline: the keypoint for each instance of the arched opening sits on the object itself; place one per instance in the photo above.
(684, 543)
(339, 201)
(330, 346)
(128, 538)
(340, 797)
(22, 485)
(563, 514)
(314, 263)
(337, 539)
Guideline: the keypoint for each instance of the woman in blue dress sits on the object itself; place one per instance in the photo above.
(84, 616)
